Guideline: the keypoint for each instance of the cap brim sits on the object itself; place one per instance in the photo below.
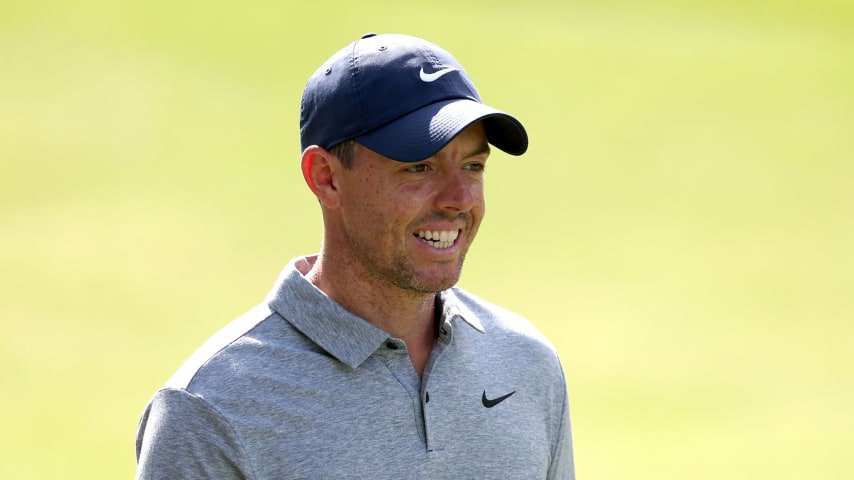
(422, 133)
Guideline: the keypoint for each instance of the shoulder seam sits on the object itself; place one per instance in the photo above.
(226, 336)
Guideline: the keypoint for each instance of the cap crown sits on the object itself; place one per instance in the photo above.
(374, 81)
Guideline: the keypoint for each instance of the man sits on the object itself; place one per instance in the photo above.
(365, 361)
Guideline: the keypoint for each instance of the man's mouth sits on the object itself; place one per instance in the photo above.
(438, 238)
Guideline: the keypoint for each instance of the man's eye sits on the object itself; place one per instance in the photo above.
(417, 168)
(475, 167)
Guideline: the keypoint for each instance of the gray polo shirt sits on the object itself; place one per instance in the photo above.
(299, 388)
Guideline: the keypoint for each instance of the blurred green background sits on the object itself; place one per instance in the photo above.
(681, 227)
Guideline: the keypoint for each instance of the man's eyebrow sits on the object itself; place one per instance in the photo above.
(481, 150)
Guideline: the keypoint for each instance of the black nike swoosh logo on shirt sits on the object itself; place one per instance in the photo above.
(495, 401)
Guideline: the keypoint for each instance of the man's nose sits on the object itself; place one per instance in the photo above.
(457, 192)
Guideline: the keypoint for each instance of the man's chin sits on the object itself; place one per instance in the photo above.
(429, 278)
(435, 283)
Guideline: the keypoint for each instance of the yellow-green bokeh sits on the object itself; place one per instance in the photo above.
(681, 227)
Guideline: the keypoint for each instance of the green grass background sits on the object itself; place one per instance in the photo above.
(681, 227)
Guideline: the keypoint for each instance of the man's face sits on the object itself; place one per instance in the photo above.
(409, 225)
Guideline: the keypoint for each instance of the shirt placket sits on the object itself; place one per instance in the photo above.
(445, 335)
(396, 358)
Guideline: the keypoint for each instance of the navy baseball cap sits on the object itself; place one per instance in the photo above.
(400, 96)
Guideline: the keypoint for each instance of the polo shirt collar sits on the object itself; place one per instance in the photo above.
(453, 308)
(345, 336)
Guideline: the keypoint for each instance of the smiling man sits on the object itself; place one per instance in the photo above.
(365, 361)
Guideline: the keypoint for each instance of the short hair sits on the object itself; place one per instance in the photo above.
(345, 152)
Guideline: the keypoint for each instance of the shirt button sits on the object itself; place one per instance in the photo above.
(426, 397)
(391, 345)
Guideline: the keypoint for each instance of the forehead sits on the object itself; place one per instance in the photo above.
(470, 142)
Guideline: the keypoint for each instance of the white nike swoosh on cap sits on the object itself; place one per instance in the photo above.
(432, 77)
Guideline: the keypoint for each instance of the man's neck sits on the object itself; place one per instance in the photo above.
(409, 316)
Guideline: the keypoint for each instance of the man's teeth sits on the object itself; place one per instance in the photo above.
(439, 239)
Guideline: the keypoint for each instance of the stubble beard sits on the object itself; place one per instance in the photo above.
(400, 272)
(404, 277)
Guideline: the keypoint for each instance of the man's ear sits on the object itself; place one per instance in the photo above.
(320, 170)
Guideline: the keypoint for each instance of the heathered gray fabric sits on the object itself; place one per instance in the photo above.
(298, 388)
